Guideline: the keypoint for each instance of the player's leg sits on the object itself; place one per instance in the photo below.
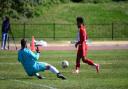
(34, 73)
(6, 36)
(90, 62)
(3, 41)
(77, 62)
(55, 71)
(39, 67)
(46, 66)
(3, 38)
(39, 76)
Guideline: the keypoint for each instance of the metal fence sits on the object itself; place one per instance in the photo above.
(54, 31)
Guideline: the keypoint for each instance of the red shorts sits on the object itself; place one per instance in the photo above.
(82, 50)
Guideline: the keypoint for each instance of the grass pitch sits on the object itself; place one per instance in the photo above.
(113, 73)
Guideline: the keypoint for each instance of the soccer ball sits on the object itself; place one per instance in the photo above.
(65, 64)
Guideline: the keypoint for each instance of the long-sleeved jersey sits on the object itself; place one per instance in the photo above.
(82, 35)
(28, 60)
(5, 26)
(82, 48)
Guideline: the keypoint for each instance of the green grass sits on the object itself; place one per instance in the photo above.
(113, 73)
(93, 13)
(101, 13)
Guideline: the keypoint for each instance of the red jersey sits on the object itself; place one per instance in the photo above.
(83, 34)
(82, 48)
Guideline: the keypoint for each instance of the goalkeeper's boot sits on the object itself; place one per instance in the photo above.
(39, 76)
(59, 75)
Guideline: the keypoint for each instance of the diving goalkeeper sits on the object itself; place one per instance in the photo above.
(29, 60)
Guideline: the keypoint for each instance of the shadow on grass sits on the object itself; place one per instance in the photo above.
(25, 78)
(18, 78)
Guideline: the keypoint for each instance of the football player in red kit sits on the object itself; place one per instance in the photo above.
(82, 46)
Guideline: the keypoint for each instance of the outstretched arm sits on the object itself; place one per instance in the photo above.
(34, 55)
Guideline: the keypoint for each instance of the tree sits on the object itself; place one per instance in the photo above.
(5, 6)
(14, 8)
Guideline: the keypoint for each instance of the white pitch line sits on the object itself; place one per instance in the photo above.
(9, 63)
(11, 56)
(30, 83)
(39, 85)
(6, 56)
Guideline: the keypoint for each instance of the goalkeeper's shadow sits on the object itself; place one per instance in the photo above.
(16, 78)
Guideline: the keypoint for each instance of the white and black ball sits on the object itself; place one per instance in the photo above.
(65, 64)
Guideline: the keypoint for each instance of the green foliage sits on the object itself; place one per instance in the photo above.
(14, 8)
(28, 8)
(94, 14)
(65, 1)
(119, 0)
(5, 6)
(13, 13)
(96, 1)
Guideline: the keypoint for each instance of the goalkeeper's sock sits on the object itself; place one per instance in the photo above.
(53, 69)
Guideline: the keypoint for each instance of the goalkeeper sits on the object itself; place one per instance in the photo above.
(29, 60)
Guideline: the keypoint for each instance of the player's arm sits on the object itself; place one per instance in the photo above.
(35, 55)
(19, 56)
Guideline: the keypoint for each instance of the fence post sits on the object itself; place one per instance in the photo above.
(54, 29)
(24, 30)
(112, 30)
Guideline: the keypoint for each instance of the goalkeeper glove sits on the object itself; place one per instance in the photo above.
(37, 50)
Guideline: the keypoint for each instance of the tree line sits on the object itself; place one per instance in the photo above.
(14, 8)
(29, 8)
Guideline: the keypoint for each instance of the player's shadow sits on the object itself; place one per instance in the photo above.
(25, 78)
(17, 78)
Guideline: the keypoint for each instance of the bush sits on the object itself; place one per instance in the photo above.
(99, 1)
(76, 0)
(47, 2)
(13, 13)
(38, 12)
(65, 1)
(119, 0)
(96, 1)
(29, 14)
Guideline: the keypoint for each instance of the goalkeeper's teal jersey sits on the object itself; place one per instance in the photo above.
(28, 60)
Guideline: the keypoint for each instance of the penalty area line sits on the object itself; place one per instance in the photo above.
(40, 85)
(30, 83)
(9, 63)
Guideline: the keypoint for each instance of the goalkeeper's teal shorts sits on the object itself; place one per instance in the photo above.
(38, 67)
